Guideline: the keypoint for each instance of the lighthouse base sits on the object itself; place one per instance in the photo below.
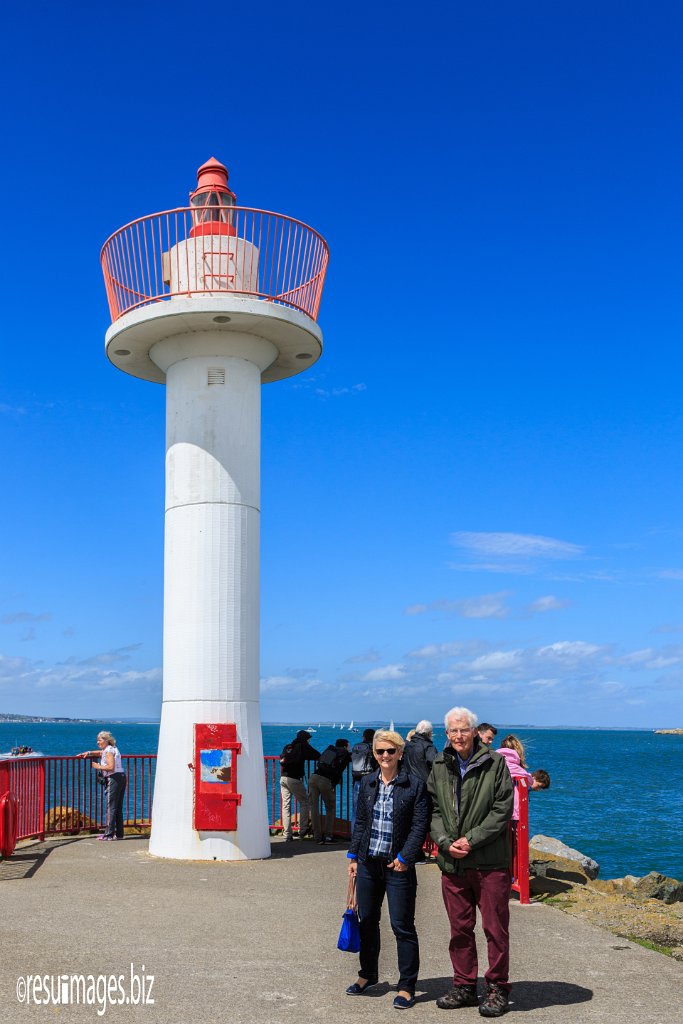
(173, 834)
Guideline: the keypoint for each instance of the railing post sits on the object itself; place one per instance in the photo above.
(522, 857)
(41, 799)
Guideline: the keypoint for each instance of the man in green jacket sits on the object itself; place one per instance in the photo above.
(471, 790)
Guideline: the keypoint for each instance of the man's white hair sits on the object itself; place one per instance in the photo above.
(425, 727)
(472, 719)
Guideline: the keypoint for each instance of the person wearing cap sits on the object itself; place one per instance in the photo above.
(292, 768)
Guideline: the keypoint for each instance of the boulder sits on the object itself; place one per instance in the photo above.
(547, 866)
(623, 886)
(658, 887)
(546, 844)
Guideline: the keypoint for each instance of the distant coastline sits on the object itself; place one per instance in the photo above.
(375, 724)
(47, 720)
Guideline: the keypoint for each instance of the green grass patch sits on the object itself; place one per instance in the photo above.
(556, 901)
(666, 950)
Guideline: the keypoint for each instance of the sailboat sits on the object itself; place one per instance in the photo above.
(391, 725)
(351, 728)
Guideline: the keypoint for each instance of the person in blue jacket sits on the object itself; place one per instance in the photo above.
(392, 819)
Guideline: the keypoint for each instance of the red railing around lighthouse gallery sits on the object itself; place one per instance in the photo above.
(260, 255)
(59, 796)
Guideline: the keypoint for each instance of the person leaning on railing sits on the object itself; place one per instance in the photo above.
(112, 771)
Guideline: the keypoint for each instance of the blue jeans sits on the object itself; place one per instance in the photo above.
(374, 879)
(116, 787)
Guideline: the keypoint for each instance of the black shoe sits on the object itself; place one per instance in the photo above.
(495, 1002)
(401, 1003)
(457, 997)
(360, 990)
(329, 839)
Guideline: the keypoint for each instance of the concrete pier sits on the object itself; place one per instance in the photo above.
(254, 942)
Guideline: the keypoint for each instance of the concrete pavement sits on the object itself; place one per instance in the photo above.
(256, 942)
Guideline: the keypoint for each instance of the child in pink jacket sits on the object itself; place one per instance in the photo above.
(512, 750)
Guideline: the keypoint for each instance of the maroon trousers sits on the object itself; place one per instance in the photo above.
(462, 894)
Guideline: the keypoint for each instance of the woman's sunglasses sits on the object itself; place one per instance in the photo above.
(385, 750)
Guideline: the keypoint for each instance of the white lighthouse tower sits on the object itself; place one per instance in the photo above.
(213, 300)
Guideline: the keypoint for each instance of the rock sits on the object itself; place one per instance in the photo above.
(616, 885)
(546, 844)
(658, 887)
(545, 865)
(677, 952)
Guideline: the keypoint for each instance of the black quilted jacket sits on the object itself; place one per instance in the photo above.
(411, 816)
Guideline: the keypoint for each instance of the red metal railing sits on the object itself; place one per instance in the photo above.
(519, 838)
(58, 795)
(265, 255)
(343, 793)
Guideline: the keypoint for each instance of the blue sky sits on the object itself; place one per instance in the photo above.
(475, 496)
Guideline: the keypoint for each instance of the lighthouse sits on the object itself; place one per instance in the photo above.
(212, 300)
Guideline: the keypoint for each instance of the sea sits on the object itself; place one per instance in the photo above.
(615, 795)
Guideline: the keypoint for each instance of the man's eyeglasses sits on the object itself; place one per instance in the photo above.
(385, 750)
(459, 732)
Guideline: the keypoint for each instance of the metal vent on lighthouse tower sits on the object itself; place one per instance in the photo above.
(216, 375)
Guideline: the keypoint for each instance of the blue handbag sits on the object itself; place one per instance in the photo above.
(349, 936)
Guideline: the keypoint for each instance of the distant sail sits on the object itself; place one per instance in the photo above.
(351, 726)
(391, 725)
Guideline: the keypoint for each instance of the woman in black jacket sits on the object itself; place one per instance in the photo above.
(391, 825)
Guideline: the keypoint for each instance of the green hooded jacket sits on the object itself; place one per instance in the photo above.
(486, 801)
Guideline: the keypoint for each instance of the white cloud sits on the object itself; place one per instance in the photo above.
(24, 679)
(569, 649)
(527, 545)
(549, 603)
(289, 683)
(482, 688)
(496, 660)
(448, 650)
(385, 673)
(338, 392)
(484, 606)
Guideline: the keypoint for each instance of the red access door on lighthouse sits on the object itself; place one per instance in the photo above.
(216, 750)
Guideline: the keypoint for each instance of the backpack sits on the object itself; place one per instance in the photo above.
(290, 756)
(362, 761)
(332, 763)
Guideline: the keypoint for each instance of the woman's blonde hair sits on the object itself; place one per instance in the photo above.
(410, 735)
(512, 743)
(387, 736)
(107, 737)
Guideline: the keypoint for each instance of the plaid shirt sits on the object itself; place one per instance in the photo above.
(382, 830)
